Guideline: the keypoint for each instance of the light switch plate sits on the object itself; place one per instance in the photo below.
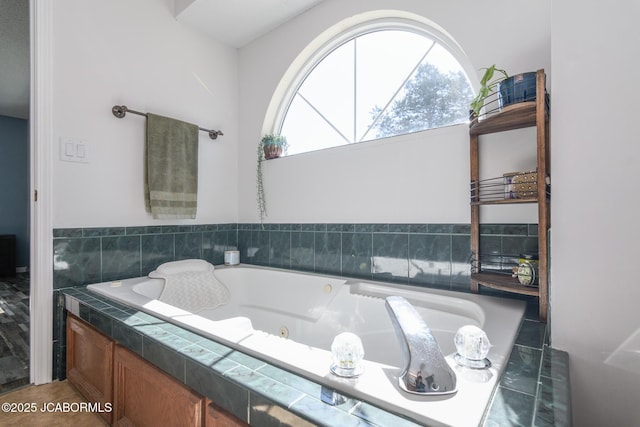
(73, 150)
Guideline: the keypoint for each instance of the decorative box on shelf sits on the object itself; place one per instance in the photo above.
(512, 187)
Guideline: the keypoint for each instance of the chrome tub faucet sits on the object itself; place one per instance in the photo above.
(426, 370)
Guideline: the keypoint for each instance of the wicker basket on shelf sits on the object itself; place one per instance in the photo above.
(525, 184)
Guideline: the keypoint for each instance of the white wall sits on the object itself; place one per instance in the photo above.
(135, 53)
(595, 154)
(419, 178)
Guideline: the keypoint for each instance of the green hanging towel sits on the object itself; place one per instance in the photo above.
(171, 187)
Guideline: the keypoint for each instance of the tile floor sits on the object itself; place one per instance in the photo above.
(14, 331)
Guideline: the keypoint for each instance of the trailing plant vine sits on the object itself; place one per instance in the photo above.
(262, 204)
(267, 145)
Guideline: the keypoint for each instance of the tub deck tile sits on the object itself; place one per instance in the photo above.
(214, 346)
(201, 354)
(535, 381)
(553, 405)
(101, 321)
(164, 358)
(280, 393)
(292, 380)
(531, 334)
(245, 360)
(264, 412)
(148, 318)
(185, 334)
(555, 364)
(153, 331)
(134, 320)
(377, 416)
(116, 313)
(223, 364)
(127, 337)
(522, 370)
(174, 342)
(510, 408)
(224, 392)
(327, 415)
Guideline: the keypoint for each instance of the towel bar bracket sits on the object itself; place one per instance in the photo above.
(121, 110)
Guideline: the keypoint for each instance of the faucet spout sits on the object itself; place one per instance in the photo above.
(426, 370)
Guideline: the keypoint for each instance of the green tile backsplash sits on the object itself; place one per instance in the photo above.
(431, 255)
(90, 255)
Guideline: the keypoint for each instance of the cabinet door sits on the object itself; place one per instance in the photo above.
(90, 363)
(146, 396)
(218, 417)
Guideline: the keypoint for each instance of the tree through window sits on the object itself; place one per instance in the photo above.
(378, 84)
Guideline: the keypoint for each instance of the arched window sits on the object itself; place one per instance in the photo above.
(375, 82)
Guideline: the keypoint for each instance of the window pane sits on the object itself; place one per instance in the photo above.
(385, 59)
(434, 96)
(329, 89)
(442, 58)
(306, 130)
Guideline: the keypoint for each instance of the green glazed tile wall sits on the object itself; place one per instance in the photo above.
(89, 255)
(431, 255)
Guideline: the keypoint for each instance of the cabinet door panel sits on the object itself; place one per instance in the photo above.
(217, 417)
(146, 396)
(90, 363)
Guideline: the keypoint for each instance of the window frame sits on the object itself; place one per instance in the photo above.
(333, 40)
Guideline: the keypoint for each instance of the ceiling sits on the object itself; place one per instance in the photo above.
(239, 22)
(14, 58)
(234, 23)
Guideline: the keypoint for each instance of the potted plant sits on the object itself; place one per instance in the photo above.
(273, 145)
(510, 89)
(270, 147)
(517, 88)
(487, 87)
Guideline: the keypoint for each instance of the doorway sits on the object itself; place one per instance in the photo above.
(14, 195)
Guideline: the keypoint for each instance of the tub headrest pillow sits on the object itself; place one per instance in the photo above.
(184, 265)
(191, 285)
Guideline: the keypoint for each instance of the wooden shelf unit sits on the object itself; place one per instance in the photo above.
(517, 116)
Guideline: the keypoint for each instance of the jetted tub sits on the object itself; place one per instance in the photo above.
(289, 319)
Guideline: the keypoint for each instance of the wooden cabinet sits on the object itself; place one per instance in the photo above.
(90, 363)
(218, 417)
(146, 396)
(517, 116)
(139, 393)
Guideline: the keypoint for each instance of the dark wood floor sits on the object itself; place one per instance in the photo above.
(14, 331)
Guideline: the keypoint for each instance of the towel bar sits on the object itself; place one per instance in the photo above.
(121, 110)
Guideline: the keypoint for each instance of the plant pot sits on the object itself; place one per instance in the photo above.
(272, 151)
(517, 88)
